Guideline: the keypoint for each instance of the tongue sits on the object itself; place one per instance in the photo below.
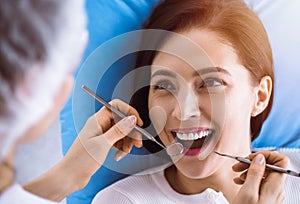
(192, 144)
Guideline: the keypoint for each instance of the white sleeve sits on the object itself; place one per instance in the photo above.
(15, 194)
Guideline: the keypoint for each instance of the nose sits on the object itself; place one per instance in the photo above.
(187, 105)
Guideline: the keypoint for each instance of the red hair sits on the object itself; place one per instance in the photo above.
(233, 22)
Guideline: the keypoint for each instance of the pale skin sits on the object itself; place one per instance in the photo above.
(180, 85)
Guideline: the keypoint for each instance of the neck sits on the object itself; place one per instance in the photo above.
(7, 172)
(219, 181)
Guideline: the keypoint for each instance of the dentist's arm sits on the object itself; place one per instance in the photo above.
(88, 153)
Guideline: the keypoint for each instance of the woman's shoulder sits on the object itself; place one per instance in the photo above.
(294, 155)
(292, 184)
(133, 182)
(132, 189)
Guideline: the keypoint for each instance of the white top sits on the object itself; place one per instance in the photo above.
(292, 184)
(17, 195)
(154, 189)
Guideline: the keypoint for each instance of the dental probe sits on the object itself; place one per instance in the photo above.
(268, 166)
(176, 146)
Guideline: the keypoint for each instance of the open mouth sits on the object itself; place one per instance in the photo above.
(193, 140)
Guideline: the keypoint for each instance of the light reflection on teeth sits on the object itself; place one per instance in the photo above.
(193, 136)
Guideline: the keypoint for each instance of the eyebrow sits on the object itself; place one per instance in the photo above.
(197, 72)
(164, 73)
(211, 70)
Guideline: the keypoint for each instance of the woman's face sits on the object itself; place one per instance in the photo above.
(206, 109)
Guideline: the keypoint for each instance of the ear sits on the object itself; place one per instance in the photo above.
(263, 94)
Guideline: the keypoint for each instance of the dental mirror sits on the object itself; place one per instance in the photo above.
(174, 149)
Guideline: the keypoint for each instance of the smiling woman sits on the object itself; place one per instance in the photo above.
(189, 101)
(218, 106)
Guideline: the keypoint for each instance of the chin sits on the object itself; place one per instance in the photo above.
(197, 169)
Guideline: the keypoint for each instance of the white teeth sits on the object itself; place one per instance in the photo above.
(201, 134)
(193, 136)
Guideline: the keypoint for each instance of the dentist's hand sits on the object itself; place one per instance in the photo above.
(100, 133)
(260, 185)
(103, 130)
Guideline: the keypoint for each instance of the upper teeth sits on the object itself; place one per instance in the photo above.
(193, 136)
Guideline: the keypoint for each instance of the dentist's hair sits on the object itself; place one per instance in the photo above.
(236, 25)
(39, 41)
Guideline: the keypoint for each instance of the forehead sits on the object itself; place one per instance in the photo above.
(213, 51)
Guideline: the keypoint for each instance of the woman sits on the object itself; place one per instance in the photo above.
(39, 41)
(216, 108)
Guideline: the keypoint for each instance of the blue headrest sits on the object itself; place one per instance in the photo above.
(107, 19)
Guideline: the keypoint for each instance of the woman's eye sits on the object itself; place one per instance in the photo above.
(164, 85)
(212, 82)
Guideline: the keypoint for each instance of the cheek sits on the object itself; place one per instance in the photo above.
(158, 117)
(215, 107)
(159, 111)
(236, 125)
(238, 109)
